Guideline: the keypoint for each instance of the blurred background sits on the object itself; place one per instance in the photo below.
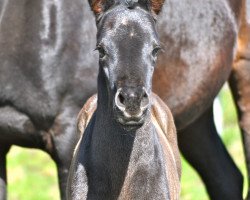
(32, 174)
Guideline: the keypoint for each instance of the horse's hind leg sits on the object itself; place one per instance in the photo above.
(3, 177)
(203, 148)
(240, 84)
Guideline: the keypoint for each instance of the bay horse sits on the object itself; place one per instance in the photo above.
(47, 71)
(122, 154)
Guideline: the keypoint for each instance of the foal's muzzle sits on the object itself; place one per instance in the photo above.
(132, 104)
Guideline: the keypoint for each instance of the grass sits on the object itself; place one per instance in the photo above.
(32, 174)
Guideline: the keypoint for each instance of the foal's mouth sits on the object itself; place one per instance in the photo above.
(130, 122)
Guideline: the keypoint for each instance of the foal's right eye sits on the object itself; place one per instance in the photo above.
(102, 52)
(155, 51)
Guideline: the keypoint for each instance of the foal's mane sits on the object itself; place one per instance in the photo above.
(131, 3)
(100, 6)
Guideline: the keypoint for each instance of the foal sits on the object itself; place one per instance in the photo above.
(129, 148)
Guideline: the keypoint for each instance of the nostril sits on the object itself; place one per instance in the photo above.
(120, 100)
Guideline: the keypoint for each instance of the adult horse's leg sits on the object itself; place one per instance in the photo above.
(3, 177)
(240, 83)
(203, 148)
(62, 141)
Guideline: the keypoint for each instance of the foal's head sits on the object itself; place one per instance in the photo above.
(128, 44)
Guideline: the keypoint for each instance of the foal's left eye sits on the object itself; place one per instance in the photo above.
(156, 51)
(102, 52)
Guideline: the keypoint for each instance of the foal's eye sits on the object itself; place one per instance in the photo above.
(155, 51)
(102, 52)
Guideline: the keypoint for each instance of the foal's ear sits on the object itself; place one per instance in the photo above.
(99, 6)
(156, 6)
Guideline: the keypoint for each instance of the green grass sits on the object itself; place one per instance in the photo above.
(32, 174)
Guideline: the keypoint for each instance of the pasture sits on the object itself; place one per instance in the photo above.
(32, 174)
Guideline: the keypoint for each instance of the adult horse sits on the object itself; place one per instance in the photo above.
(200, 38)
(47, 71)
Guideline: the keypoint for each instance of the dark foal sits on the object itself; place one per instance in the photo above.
(121, 154)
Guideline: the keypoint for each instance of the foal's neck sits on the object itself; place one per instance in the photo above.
(131, 162)
(112, 138)
(124, 160)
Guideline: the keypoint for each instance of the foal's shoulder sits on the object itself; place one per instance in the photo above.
(86, 113)
(162, 115)
(83, 119)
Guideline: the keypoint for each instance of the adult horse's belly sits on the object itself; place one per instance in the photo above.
(199, 42)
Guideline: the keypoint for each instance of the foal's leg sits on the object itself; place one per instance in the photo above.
(63, 140)
(3, 177)
(240, 84)
(203, 148)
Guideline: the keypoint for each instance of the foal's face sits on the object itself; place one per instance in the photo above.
(128, 44)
